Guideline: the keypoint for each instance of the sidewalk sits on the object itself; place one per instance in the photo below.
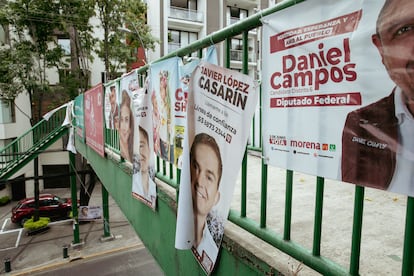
(29, 254)
(383, 221)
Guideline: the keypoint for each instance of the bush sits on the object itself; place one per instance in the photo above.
(4, 200)
(35, 225)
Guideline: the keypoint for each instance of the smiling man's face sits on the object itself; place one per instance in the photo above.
(204, 179)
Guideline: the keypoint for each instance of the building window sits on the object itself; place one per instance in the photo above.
(185, 10)
(236, 52)
(235, 14)
(178, 39)
(2, 35)
(185, 4)
(64, 43)
(7, 111)
(66, 74)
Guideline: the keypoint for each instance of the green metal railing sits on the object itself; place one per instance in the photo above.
(282, 241)
(26, 147)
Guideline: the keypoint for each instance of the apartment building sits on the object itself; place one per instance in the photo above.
(176, 23)
(180, 22)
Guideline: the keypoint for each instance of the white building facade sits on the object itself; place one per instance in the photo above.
(176, 23)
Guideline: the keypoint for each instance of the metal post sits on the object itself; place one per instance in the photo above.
(243, 203)
(105, 207)
(65, 251)
(317, 229)
(74, 197)
(7, 265)
(408, 251)
(288, 205)
(263, 200)
(357, 230)
(36, 188)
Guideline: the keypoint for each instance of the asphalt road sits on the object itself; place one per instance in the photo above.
(124, 262)
(42, 254)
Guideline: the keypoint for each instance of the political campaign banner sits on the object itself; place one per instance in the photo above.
(211, 55)
(143, 177)
(220, 108)
(79, 117)
(111, 104)
(89, 213)
(330, 106)
(180, 107)
(164, 82)
(181, 96)
(94, 122)
(128, 89)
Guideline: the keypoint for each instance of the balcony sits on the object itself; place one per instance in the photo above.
(237, 55)
(186, 14)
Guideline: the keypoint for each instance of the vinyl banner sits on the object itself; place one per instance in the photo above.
(330, 106)
(93, 104)
(180, 108)
(164, 83)
(220, 108)
(181, 96)
(112, 104)
(128, 90)
(89, 213)
(143, 184)
(79, 117)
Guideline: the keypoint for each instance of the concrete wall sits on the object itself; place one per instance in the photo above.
(157, 228)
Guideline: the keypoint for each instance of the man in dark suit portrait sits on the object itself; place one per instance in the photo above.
(378, 139)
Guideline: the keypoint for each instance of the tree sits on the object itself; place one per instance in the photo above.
(34, 49)
(115, 14)
(9, 73)
(35, 26)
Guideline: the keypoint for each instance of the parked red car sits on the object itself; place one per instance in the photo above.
(50, 206)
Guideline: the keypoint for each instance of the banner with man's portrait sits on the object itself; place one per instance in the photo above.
(181, 96)
(220, 108)
(111, 108)
(143, 177)
(89, 213)
(337, 84)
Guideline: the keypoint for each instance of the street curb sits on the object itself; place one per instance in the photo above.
(49, 266)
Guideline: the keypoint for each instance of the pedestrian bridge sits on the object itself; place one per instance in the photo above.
(280, 222)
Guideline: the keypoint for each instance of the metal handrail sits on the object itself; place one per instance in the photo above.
(22, 149)
(312, 258)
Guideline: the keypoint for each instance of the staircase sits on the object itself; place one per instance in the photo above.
(28, 146)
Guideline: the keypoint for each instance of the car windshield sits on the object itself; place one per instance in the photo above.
(19, 205)
(61, 200)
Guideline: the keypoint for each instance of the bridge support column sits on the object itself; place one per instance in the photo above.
(74, 197)
(105, 207)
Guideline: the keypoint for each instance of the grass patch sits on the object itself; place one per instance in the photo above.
(4, 200)
(35, 225)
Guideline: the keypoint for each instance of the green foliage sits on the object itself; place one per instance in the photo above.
(4, 200)
(9, 74)
(35, 225)
(117, 14)
(35, 28)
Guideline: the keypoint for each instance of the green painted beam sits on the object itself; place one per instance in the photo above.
(157, 228)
